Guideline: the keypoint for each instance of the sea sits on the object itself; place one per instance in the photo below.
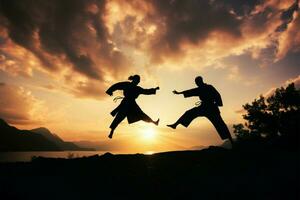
(27, 156)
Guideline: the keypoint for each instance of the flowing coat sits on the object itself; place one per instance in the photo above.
(128, 106)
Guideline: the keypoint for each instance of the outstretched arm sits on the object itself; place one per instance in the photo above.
(176, 92)
(117, 86)
(188, 93)
(148, 91)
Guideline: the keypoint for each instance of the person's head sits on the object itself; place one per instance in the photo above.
(135, 79)
(199, 81)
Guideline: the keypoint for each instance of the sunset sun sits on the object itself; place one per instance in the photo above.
(149, 133)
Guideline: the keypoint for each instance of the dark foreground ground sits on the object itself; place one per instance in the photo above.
(213, 173)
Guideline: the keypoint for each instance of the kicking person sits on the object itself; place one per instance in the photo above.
(128, 106)
(209, 107)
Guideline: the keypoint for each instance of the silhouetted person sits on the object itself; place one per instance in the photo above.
(210, 100)
(128, 106)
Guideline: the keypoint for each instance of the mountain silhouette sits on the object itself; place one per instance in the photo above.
(57, 140)
(13, 139)
(40, 139)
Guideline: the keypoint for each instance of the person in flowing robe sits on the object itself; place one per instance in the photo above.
(128, 106)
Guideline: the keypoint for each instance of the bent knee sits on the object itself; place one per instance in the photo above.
(192, 112)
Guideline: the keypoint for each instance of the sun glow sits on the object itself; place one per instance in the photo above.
(149, 133)
(149, 152)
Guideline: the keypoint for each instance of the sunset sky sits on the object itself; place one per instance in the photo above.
(57, 58)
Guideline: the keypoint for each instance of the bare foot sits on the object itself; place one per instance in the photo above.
(173, 126)
(110, 134)
(157, 122)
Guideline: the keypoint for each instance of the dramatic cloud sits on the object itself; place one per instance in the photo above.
(65, 38)
(18, 106)
(289, 40)
(71, 31)
(190, 22)
(203, 32)
(86, 44)
(170, 29)
(273, 20)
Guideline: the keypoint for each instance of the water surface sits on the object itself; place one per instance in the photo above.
(28, 155)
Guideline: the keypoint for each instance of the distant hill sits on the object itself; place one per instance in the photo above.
(13, 139)
(40, 139)
(102, 145)
(58, 141)
(98, 145)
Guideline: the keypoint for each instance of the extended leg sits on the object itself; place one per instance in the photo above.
(146, 118)
(220, 126)
(117, 120)
(187, 118)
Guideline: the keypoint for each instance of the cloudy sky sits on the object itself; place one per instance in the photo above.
(57, 58)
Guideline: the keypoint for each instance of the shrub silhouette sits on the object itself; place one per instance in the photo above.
(274, 118)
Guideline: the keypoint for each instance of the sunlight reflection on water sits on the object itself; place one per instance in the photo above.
(28, 155)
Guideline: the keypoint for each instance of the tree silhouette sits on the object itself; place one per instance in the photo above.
(274, 117)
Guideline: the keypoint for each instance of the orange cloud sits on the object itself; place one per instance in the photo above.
(19, 107)
(189, 32)
(290, 39)
(95, 42)
(77, 39)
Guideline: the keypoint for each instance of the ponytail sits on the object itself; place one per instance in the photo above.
(134, 78)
